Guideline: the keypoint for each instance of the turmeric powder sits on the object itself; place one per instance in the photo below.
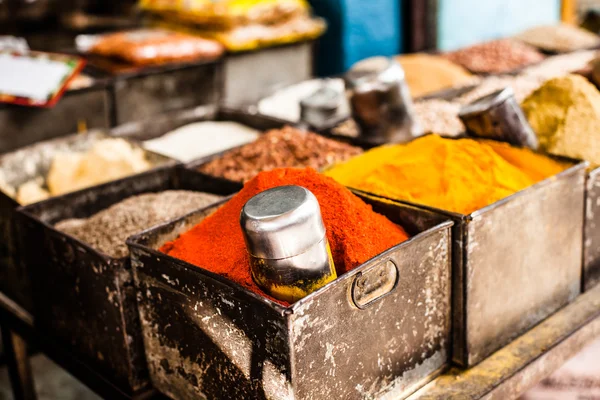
(454, 175)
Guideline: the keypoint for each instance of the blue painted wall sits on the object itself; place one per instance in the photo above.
(357, 29)
(465, 22)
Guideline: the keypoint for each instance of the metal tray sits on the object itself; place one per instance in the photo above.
(90, 305)
(515, 262)
(141, 95)
(207, 337)
(17, 168)
(89, 108)
(591, 234)
(165, 123)
(271, 67)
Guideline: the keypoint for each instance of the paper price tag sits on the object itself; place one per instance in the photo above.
(36, 79)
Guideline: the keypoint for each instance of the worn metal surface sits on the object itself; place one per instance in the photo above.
(91, 303)
(206, 337)
(509, 372)
(591, 242)
(22, 126)
(160, 125)
(515, 262)
(272, 68)
(17, 168)
(141, 96)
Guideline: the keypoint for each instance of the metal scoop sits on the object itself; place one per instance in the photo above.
(322, 107)
(285, 238)
(381, 102)
(499, 116)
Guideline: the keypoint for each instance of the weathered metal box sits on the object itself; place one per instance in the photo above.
(17, 168)
(591, 242)
(378, 331)
(271, 68)
(88, 108)
(143, 95)
(90, 304)
(515, 262)
(165, 123)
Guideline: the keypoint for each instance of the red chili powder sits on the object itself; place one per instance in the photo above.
(355, 232)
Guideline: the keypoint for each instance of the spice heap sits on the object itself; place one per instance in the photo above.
(106, 160)
(498, 56)
(560, 65)
(107, 230)
(559, 38)
(286, 147)
(521, 85)
(428, 73)
(217, 244)
(439, 116)
(565, 114)
(453, 175)
(200, 139)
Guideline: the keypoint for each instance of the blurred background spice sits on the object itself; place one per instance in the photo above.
(106, 160)
(559, 38)
(461, 175)
(565, 115)
(107, 230)
(217, 243)
(428, 73)
(200, 139)
(286, 147)
(497, 56)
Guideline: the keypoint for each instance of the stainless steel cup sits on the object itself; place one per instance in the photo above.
(499, 116)
(381, 102)
(286, 241)
(322, 106)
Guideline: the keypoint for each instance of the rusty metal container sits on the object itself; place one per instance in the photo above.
(90, 305)
(17, 168)
(378, 331)
(591, 242)
(87, 108)
(272, 68)
(142, 95)
(165, 123)
(515, 262)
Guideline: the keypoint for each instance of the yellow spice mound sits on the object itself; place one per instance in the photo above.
(565, 114)
(454, 175)
(427, 73)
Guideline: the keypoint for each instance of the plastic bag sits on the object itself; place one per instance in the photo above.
(255, 36)
(154, 46)
(226, 14)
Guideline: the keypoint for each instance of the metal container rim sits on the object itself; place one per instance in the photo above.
(577, 166)
(100, 134)
(135, 241)
(27, 211)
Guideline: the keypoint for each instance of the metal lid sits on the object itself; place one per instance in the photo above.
(282, 222)
(322, 105)
(485, 103)
(374, 71)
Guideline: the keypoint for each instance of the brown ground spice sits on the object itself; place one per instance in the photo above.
(279, 148)
(107, 230)
(496, 57)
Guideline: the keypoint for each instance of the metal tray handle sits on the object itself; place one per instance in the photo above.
(374, 283)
